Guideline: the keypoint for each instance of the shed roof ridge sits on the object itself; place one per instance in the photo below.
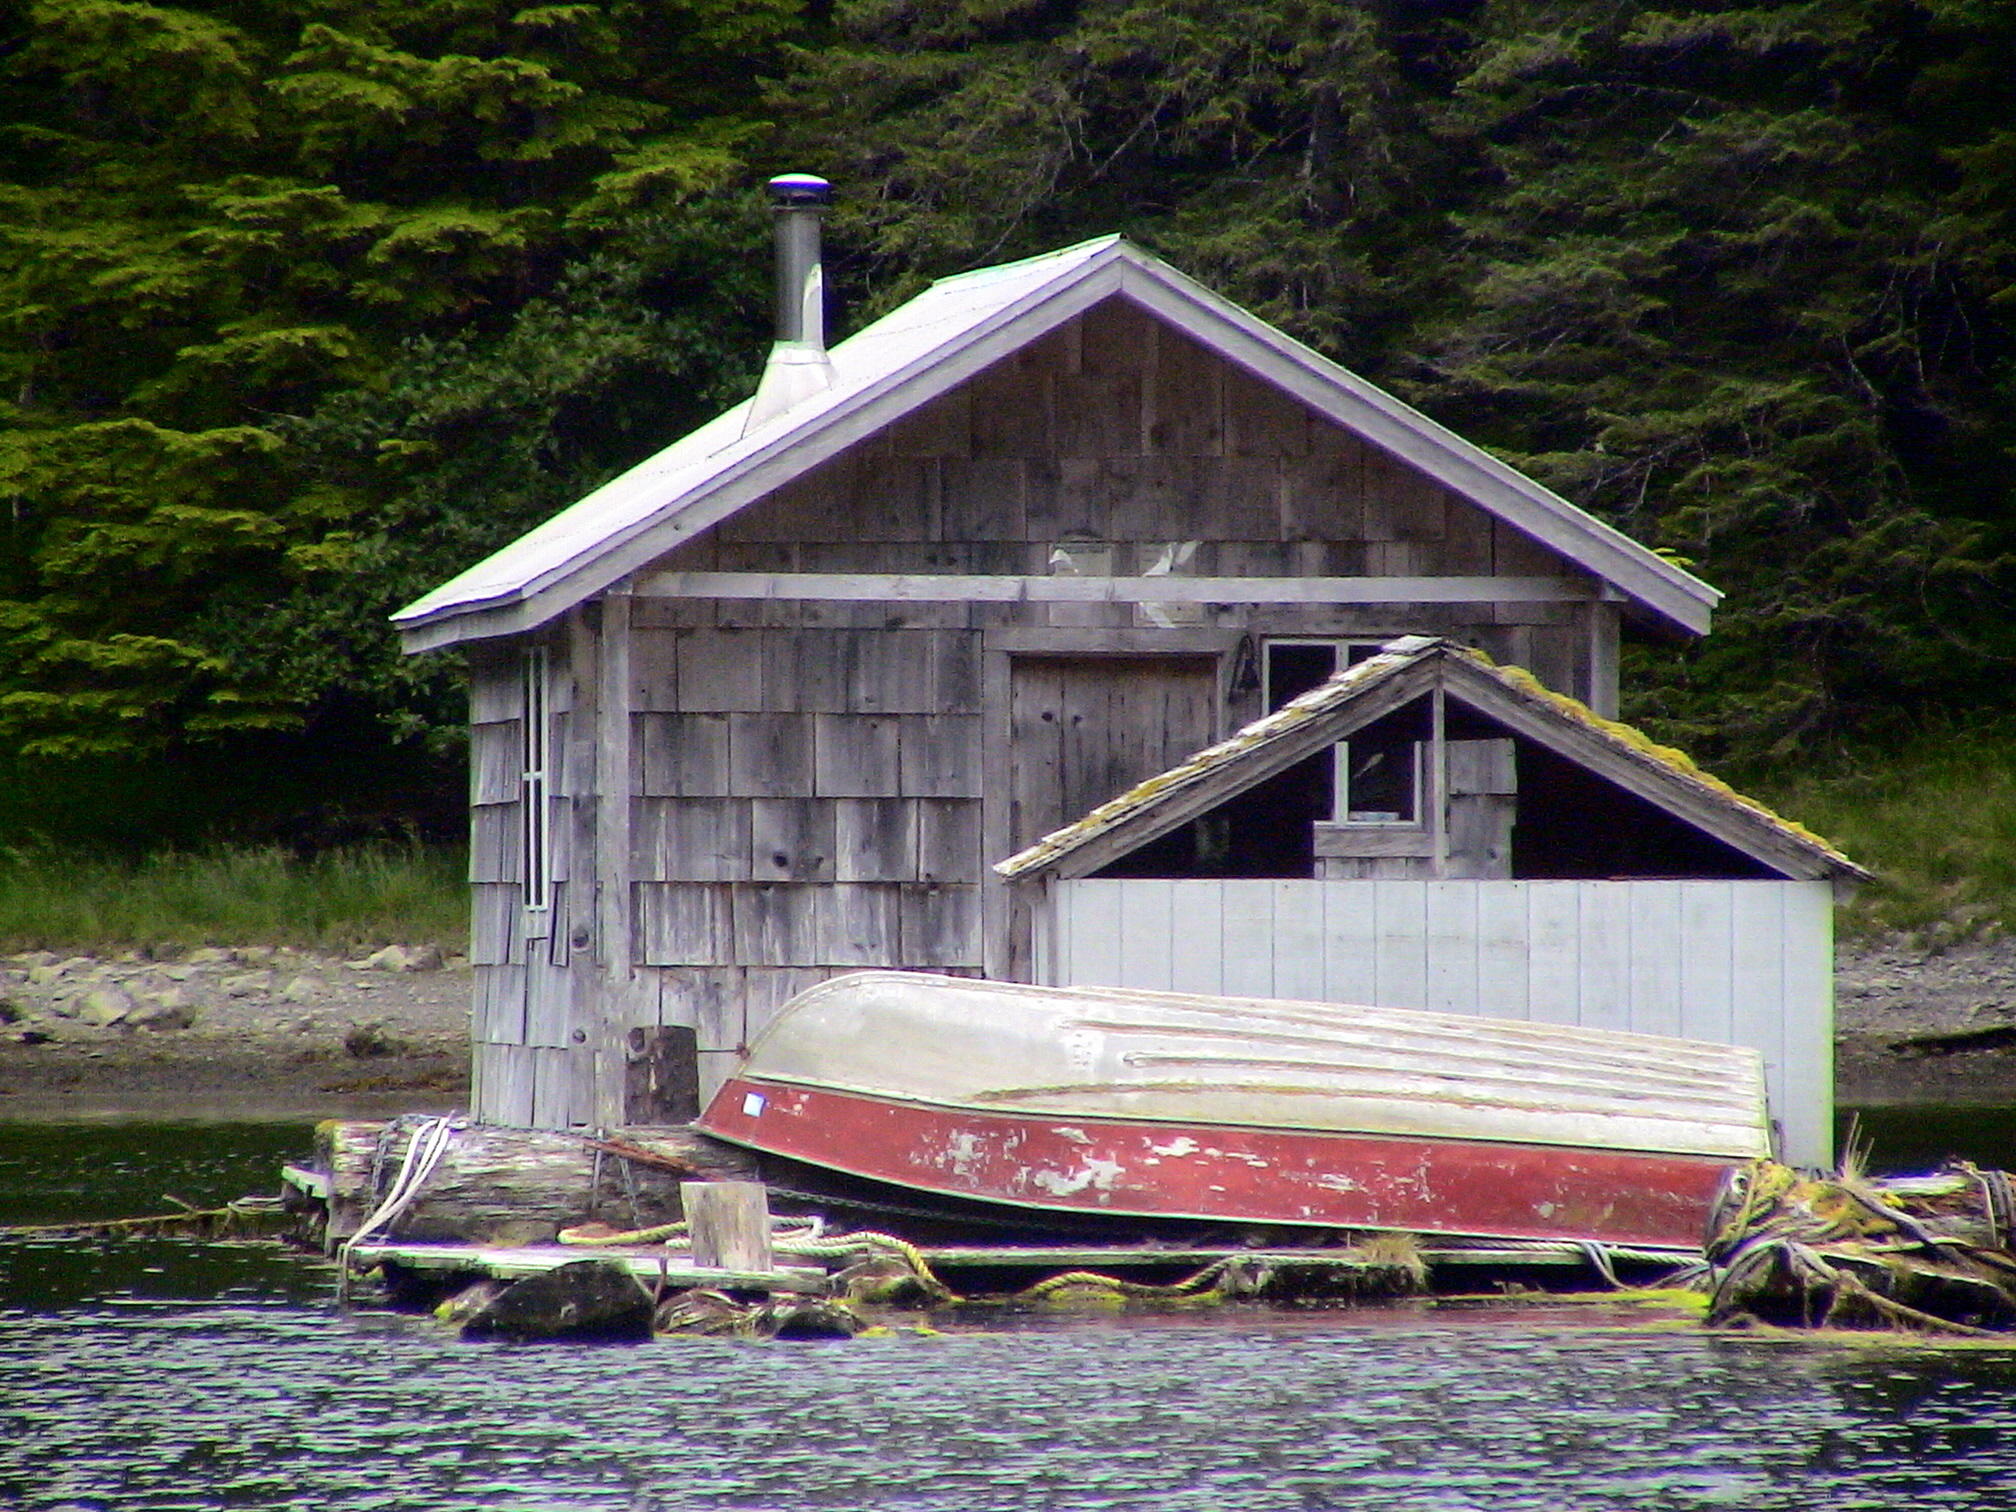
(922, 348)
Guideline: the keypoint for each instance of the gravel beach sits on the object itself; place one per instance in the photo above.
(264, 1033)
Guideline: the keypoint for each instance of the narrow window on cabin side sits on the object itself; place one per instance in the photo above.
(1374, 777)
(535, 832)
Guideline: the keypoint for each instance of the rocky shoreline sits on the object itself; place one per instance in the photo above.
(259, 1032)
(255, 1032)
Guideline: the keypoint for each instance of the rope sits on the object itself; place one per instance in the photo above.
(1200, 1284)
(871, 1242)
(1600, 1259)
(658, 1233)
(424, 1151)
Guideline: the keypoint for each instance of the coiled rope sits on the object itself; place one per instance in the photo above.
(424, 1151)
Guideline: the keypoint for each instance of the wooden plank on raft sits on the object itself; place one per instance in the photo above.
(651, 1266)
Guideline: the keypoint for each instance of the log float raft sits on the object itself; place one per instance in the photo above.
(501, 1206)
(1933, 1254)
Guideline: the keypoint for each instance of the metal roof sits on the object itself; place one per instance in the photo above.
(1660, 774)
(928, 346)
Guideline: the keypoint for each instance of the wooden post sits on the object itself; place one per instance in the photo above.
(603, 1028)
(729, 1222)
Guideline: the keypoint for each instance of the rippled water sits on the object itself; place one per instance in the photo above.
(180, 1376)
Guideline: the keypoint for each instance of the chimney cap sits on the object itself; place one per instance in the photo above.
(792, 189)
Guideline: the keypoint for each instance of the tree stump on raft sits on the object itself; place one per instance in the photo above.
(518, 1186)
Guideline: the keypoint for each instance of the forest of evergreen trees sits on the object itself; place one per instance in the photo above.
(310, 303)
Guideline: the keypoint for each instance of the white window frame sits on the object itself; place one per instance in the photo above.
(1340, 753)
(535, 827)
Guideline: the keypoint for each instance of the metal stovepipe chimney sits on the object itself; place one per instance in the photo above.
(798, 367)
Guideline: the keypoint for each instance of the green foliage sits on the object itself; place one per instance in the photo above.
(306, 306)
(1934, 819)
(340, 900)
(1733, 276)
(309, 305)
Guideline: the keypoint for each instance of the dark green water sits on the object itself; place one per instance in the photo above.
(189, 1376)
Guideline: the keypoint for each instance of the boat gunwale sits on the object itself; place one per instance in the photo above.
(1034, 1205)
(744, 1074)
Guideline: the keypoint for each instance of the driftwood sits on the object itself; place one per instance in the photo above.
(517, 1186)
(1929, 1253)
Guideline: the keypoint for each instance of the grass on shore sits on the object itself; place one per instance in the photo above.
(57, 899)
(1934, 820)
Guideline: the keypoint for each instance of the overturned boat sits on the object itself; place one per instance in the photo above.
(1160, 1105)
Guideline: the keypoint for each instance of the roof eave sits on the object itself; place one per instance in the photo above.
(791, 451)
(1650, 581)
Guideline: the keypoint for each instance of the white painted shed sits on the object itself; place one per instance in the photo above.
(1535, 861)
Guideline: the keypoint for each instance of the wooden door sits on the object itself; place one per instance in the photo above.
(1084, 730)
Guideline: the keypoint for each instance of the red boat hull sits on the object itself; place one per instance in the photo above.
(1229, 1173)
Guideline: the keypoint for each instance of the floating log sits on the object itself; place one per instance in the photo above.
(715, 1314)
(511, 1186)
(583, 1300)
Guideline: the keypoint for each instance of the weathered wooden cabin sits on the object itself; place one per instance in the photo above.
(1428, 830)
(765, 707)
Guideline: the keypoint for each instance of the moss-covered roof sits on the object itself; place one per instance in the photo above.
(1665, 766)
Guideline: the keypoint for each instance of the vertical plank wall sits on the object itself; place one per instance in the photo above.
(1746, 963)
